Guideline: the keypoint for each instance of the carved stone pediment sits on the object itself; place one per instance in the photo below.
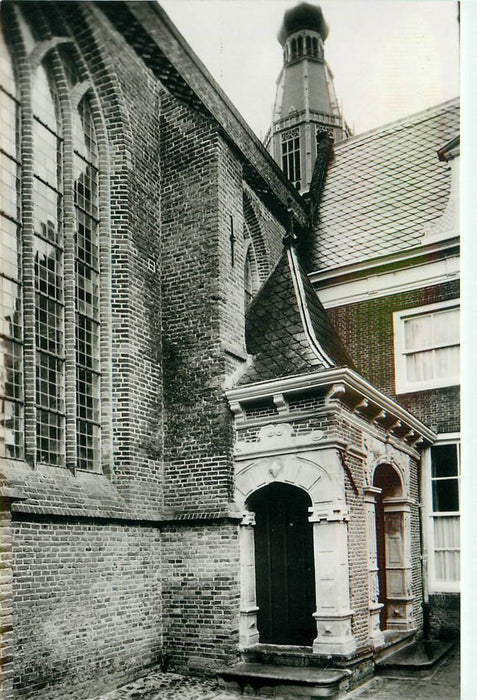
(322, 480)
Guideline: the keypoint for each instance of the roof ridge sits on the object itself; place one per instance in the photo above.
(310, 334)
(397, 125)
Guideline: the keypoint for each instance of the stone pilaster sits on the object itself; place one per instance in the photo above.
(248, 630)
(333, 615)
(376, 636)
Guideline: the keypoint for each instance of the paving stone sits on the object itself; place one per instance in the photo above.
(444, 685)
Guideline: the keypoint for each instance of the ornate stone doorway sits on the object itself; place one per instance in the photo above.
(284, 566)
(282, 473)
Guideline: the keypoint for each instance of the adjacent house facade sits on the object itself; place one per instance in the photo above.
(229, 402)
(394, 276)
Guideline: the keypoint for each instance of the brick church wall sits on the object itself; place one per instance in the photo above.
(203, 302)
(196, 435)
(201, 589)
(87, 605)
(130, 99)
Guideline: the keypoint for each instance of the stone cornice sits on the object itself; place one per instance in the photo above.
(385, 283)
(339, 381)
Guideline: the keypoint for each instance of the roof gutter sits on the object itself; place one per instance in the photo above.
(436, 249)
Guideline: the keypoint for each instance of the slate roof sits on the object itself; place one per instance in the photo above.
(383, 188)
(287, 330)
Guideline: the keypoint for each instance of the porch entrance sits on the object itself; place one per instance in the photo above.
(284, 565)
(389, 541)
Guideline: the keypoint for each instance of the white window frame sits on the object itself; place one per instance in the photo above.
(436, 585)
(403, 385)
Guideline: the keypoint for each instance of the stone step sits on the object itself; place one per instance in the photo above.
(394, 640)
(279, 655)
(284, 681)
(417, 660)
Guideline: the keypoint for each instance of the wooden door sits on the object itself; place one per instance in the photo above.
(284, 566)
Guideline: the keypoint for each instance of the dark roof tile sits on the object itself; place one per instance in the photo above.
(288, 331)
(383, 189)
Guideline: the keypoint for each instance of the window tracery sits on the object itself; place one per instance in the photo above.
(62, 252)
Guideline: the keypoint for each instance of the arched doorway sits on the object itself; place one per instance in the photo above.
(389, 537)
(284, 565)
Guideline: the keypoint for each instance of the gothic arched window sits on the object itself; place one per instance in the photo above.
(52, 219)
(87, 285)
(11, 339)
(48, 247)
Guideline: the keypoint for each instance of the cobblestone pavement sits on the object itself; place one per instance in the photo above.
(443, 685)
(171, 686)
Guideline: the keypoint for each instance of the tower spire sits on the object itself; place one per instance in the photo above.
(305, 106)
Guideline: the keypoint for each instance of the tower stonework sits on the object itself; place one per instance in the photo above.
(305, 106)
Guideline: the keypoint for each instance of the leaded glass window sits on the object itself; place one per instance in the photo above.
(291, 165)
(49, 302)
(61, 246)
(11, 345)
(87, 286)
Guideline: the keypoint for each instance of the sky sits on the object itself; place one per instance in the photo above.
(390, 58)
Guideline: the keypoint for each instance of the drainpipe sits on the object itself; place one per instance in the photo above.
(423, 542)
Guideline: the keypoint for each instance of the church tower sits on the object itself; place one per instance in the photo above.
(305, 104)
